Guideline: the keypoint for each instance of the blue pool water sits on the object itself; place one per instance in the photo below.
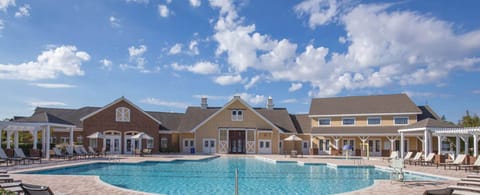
(216, 176)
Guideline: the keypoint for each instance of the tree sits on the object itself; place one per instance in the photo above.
(470, 121)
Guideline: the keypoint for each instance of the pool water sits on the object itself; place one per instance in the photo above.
(217, 176)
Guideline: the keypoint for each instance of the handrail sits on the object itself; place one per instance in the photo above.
(236, 181)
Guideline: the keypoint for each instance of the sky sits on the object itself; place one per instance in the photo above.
(164, 55)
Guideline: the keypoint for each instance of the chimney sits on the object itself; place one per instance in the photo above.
(204, 103)
(236, 97)
(270, 103)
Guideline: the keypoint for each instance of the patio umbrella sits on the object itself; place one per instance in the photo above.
(141, 136)
(293, 139)
(97, 135)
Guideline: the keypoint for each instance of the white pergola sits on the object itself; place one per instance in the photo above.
(34, 128)
(462, 133)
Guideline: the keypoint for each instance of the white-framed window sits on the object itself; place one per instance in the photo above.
(237, 115)
(400, 120)
(348, 121)
(324, 121)
(163, 142)
(350, 142)
(122, 114)
(149, 143)
(93, 143)
(374, 121)
(64, 140)
(80, 140)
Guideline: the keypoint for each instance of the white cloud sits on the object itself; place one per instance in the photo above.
(295, 87)
(193, 47)
(228, 79)
(195, 3)
(163, 10)
(159, 102)
(106, 64)
(320, 12)
(137, 51)
(476, 91)
(46, 103)
(252, 82)
(168, 1)
(23, 11)
(211, 97)
(136, 57)
(175, 49)
(289, 101)
(53, 85)
(253, 99)
(202, 67)
(4, 4)
(138, 1)
(50, 64)
(2, 25)
(115, 22)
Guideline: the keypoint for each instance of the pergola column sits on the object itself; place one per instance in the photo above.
(457, 146)
(311, 141)
(402, 151)
(47, 149)
(71, 136)
(475, 145)
(425, 143)
(44, 142)
(1, 132)
(35, 139)
(9, 135)
(337, 141)
(465, 141)
(392, 141)
(439, 138)
(15, 140)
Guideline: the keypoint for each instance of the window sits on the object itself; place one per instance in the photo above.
(348, 121)
(401, 120)
(374, 120)
(64, 140)
(122, 114)
(237, 115)
(149, 143)
(53, 140)
(350, 142)
(186, 143)
(80, 140)
(163, 143)
(93, 143)
(405, 145)
(323, 122)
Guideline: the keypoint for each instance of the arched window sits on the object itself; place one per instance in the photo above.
(122, 114)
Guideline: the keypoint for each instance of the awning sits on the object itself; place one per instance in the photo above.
(142, 135)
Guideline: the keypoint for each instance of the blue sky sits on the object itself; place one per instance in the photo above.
(164, 55)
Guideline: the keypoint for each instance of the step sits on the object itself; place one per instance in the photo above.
(10, 184)
(468, 183)
(473, 176)
(471, 179)
(466, 188)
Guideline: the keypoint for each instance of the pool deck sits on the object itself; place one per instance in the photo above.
(69, 184)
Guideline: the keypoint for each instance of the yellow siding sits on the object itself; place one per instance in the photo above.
(362, 120)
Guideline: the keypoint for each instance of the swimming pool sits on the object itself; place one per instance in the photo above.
(216, 176)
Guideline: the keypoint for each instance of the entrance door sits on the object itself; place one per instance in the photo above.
(130, 145)
(305, 147)
(209, 146)
(264, 146)
(188, 144)
(236, 140)
(112, 144)
(374, 147)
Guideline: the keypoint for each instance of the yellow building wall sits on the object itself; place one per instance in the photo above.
(362, 120)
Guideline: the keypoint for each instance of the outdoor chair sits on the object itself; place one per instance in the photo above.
(19, 153)
(456, 163)
(30, 189)
(428, 161)
(90, 154)
(147, 151)
(8, 159)
(92, 151)
(408, 156)
(69, 151)
(416, 158)
(393, 155)
(476, 164)
(79, 152)
(59, 154)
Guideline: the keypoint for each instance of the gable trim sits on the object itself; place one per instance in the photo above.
(117, 101)
(230, 103)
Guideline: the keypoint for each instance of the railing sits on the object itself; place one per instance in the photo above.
(236, 181)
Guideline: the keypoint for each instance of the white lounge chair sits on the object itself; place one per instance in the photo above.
(428, 161)
(456, 163)
(408, 156)
(19, 154)
(393, 155)
(476, 164)
(416, 158)
(92, 151)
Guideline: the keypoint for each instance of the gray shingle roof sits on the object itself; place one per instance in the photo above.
(427, 112)
(279, 117)
(43, 117)
(430, 123)
(170, 120)
(194, 116)
(302, 123)
(395, 103)
(71, 115)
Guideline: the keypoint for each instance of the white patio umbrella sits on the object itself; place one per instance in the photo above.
(293, 139)
(141, 136)
(97, 135)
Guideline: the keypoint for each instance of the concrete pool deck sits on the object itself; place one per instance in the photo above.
(70, 184)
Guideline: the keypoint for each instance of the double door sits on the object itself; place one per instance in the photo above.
(112, 144)
(130, 145)
(209, 146)
(374, 147)
(236, 140)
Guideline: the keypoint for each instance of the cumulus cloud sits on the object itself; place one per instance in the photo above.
(23, 11)
(53, 85)
(175, 49)
(35, 103)
(253, 99)
(63, 60)
(195, 3)
(137, 51)
(163, 10)
(138, 1)
(137, 59)
(168, 104)
(211, 97)
(202, 67)
(295, 87)
(114, 22)
(228, 79)
(193, 47)
(289, 101)
(106, 64)
(4, 4)
(398, 54)
(252, 82)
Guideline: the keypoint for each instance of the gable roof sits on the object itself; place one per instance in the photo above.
(302, 123)
(71, 115)
(170, 120)
(194, 116)
(363, 105)
(279, 117)
(43, 117)
(115, 102)
(427, 112)
(235, 98)
(430, 123)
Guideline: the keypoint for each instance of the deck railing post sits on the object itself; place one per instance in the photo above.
(236, 181)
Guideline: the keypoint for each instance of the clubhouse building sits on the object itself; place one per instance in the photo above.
(238, 128)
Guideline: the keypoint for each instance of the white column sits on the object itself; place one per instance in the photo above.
(35, 139)
(402, 137)
(425, 143)
(44, 142)
(71, 136)
(457, 146)
(475, 145)
(9, 141)
(47, 149)
(311, 141)
(1, 132)
(15, 140)
(439, 144)
(466, 145)
(430, 143)
(140, 143)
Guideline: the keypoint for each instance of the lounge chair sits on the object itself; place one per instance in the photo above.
(476, 164)
(19, 153)
(30, 189)
(428, 161)
(8, 159)
(59, 154)
(393, 155)
(92, 151)
(79, 152)
(147, 151)
(456, 163)
(445, 191)
(69, 151)
(89, 154)
(408, 156)
(416, 158)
